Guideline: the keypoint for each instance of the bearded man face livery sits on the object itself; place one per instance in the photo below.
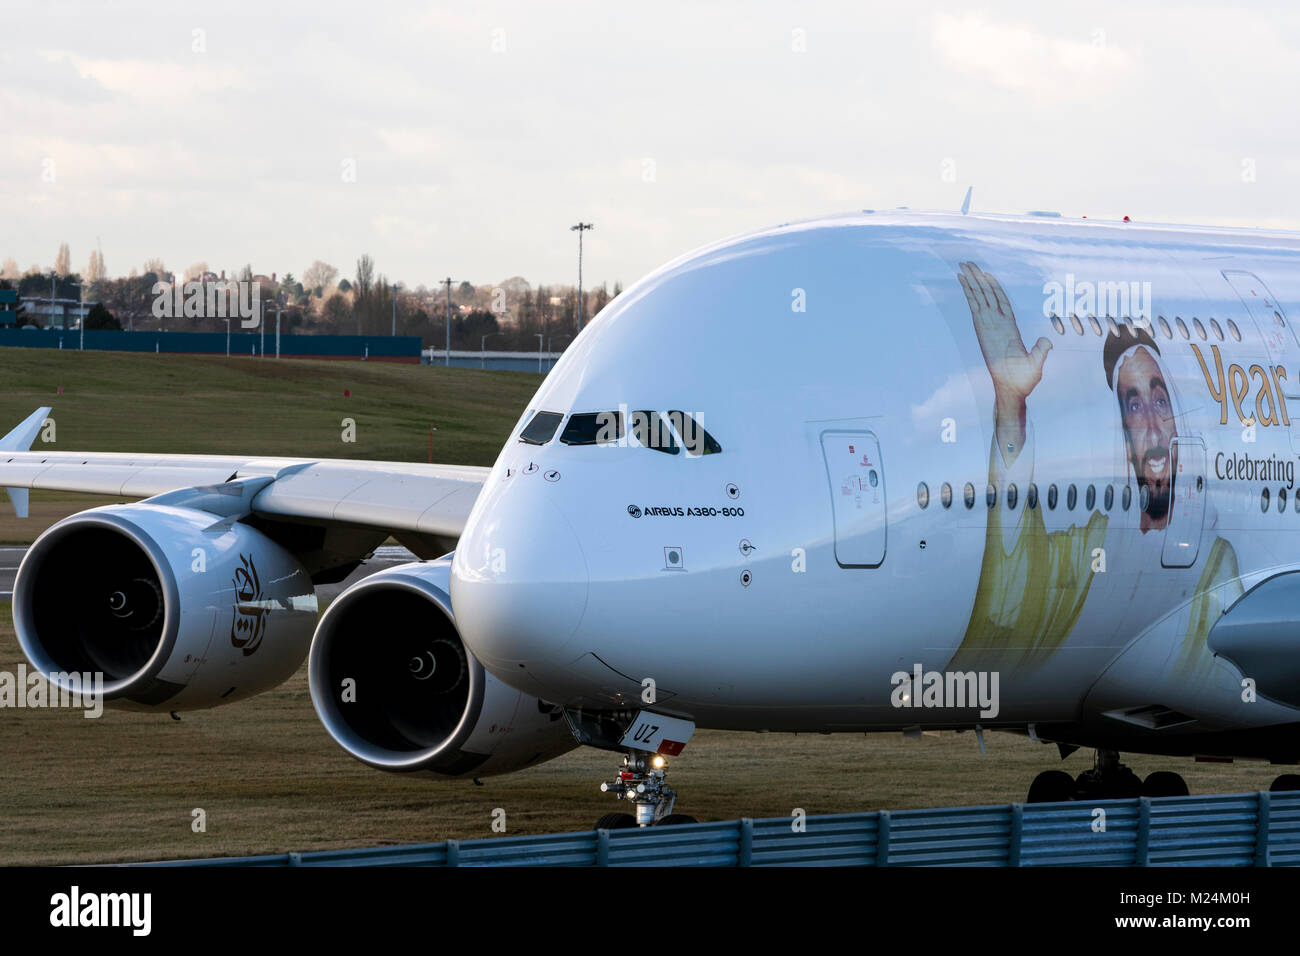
(1134, 371)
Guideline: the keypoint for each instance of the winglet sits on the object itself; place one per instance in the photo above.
(20, 439)
(965, 203)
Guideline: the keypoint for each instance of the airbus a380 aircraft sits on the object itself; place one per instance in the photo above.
(883, 471)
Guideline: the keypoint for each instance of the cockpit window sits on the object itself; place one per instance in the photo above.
(541, 429)
(593, 428)
(694, 437)
(651, 431)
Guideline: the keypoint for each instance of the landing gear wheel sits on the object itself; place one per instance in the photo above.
(1051, 786)
(616, 821)
(1164, 783)
(675, 818)
(1285, 783)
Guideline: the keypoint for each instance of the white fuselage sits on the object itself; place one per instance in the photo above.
(784, 582)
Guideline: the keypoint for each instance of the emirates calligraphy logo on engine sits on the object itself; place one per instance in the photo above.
(249, 625)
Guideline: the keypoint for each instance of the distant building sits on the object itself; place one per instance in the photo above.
(56, 314)
(9, 307)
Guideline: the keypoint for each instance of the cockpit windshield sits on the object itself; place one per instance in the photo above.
(667, 432)
(541, 428)
(593, 428)
(694, 437)
(651, 431)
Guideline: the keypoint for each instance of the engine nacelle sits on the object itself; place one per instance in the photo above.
(395, 687)
(178, 608)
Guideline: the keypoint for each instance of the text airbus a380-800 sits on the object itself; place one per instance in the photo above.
(872, 472)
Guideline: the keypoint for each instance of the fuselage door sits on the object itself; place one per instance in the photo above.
(857, 484)
(1186, 505)
(1279, 338)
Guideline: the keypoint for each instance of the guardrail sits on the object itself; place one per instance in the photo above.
(1248, 829)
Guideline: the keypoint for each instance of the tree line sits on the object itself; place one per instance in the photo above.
(506, 316)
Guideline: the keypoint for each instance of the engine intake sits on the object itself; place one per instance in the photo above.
(395, 686)
(177, 609)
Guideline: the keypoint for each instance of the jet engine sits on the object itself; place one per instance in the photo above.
(179, 609)
(395, 687)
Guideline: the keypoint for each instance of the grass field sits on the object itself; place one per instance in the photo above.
(204, 405)
(123, 787)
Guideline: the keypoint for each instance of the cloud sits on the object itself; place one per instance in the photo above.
(146, 81)
(1015, 57)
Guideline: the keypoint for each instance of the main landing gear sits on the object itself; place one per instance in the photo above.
(641, 781)
(1107, 780)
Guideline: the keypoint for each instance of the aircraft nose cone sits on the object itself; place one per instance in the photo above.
(518, 582)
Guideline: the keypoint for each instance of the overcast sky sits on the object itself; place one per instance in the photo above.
(464, 139)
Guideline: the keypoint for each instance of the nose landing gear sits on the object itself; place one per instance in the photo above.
(645, 739)
(641, 780)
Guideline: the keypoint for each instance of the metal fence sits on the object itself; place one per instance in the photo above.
(403, 348)
(1248, 829)
(499, 361)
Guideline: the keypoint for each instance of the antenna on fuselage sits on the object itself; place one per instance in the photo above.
(965, 203)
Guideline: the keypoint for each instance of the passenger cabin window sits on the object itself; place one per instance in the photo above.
(541, 428)
(651, 431)
(593, 428)
(696, 440)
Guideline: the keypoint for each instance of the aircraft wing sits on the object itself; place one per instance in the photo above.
(384, 495)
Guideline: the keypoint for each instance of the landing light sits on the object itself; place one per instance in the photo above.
(657, 762)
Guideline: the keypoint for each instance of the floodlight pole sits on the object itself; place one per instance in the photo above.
(580, 228)
(447, 354)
